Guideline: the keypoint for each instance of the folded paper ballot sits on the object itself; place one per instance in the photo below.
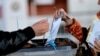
(53, 31)
(94, 32)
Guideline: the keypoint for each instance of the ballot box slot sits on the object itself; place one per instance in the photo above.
(40, 43)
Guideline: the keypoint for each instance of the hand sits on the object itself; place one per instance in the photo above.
(97, 45)
(65, 17)
(57, 13)
(40, 27)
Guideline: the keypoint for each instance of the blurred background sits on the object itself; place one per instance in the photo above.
(18, 14)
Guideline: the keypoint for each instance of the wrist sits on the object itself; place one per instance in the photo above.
(68, 21)
(34, 29)
(29, 32)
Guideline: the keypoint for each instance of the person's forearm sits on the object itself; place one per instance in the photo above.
(28, 32)
(74, 28)
(10, 42)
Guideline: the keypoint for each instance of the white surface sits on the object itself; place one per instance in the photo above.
(10, 15)
(85, 6)
(44, 2)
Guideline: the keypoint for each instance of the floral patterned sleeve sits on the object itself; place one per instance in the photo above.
(75, 29)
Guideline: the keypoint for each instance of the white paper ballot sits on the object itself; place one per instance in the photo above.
(54, 29)
(94, 32)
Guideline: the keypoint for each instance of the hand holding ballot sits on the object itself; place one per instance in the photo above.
(40, 27)
(54, 28)
(65, 17)
(74, 28)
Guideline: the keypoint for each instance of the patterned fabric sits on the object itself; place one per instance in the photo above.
(75, 29)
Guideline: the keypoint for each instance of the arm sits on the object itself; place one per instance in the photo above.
(12, 41)
(74, 28)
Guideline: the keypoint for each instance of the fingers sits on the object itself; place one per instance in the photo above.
(45, 27)
(97, 45)
(42, 21)
(65, 18)
(97, 42)
(61, 10)
(56, 14)
(41, 27)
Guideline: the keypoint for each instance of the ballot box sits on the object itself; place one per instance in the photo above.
(46, 51)
(61, 51)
